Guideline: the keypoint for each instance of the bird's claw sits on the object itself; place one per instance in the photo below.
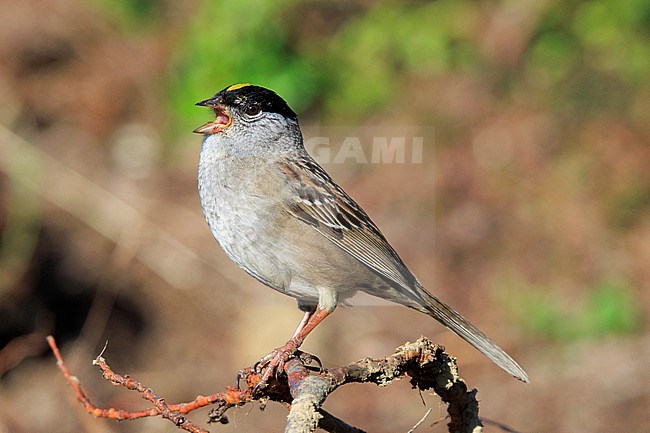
(273, 363)
(258, 367)
(307, 359)
(240, 376)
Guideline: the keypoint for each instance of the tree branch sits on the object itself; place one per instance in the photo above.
(304, 391)
(426, 363)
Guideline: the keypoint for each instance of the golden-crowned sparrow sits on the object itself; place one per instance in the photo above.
(282, 219)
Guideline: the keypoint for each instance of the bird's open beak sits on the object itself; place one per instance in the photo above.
(221, 122)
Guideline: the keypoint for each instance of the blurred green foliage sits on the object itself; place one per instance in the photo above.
(371, 55)
(236, 42)
(353, 68)
(351, 74)
(590, 57)
(608, 308)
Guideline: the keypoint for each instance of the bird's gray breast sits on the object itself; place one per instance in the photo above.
(241, 216)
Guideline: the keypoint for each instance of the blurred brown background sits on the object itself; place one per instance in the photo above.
(529, 212)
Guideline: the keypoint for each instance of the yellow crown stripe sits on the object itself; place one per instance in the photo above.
(237, 86)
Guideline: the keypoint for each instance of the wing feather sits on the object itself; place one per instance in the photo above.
(323, 205)
(320, 203)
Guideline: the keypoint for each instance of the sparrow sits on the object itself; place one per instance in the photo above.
(281, 218)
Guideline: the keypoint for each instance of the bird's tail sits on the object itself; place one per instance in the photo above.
(470, 333)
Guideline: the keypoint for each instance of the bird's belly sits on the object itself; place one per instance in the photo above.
(266, 250)
(242, 232)
(252, 232)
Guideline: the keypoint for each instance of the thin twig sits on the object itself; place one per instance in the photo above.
(417, 424)
(304, 391)
(173, 412)
(148, 394)
(500, 425)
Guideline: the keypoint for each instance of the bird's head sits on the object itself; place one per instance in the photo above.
(248, 115)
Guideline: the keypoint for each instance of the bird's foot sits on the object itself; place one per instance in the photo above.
(273, 363)
(309, 360)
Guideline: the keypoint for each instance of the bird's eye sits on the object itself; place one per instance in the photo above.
(253, 109)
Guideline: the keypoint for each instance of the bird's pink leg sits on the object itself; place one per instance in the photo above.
(303, 322)
(275, 360)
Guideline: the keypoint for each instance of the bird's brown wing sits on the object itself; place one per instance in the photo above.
(322, 204)
(319, 202)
